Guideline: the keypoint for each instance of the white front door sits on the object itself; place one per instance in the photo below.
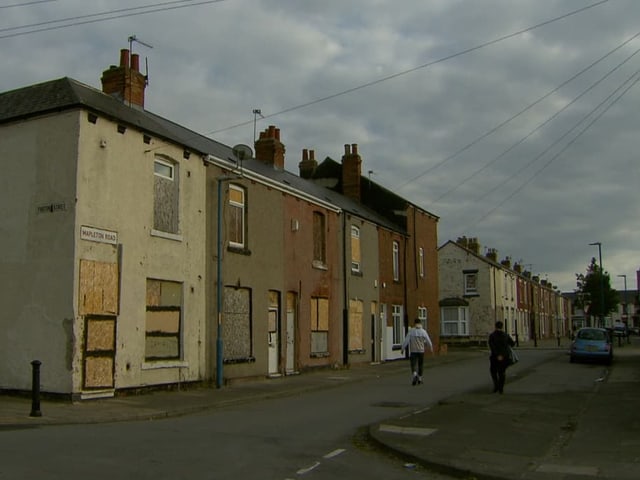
(290, 366)
(274, 346)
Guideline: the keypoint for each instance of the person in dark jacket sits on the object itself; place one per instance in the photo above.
(499, 344)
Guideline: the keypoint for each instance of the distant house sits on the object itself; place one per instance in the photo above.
(478, 290)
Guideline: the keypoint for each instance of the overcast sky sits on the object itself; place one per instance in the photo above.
(516, 122)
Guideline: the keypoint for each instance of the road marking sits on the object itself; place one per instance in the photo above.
(568, 469)
(408, 430)
(335, 453)
(302, 471)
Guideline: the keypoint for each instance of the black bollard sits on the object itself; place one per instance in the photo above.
(35, 389)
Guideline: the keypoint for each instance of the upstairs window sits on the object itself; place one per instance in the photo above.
(355, 249)
(237, 216)
(396, 261)
(166, 196)
(319, 239)
(471, 283)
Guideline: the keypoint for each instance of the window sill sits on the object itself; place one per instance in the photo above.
(149, 365)
(357, 352)
(167, 235)
(319, 265)
(232, 361)
(319, 355)
(238, 250)
(471, 295)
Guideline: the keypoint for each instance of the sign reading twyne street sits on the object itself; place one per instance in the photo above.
(98, 235)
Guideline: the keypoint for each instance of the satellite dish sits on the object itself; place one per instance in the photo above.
(242, 151)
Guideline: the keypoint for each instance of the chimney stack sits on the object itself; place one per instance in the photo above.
(351, 172)
(474, 245)
(308, 165)
(269, 148)
(492, 254)
(125, 82)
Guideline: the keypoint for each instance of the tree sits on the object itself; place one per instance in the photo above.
(589, 287)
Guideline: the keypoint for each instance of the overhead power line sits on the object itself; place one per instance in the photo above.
(541, 125)
(411, 70)
(630, 82)
(405, 72)
(109, 15)
(26, 4)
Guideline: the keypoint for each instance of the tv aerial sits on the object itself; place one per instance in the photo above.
(135, 39)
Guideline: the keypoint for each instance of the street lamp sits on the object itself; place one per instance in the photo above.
(599, 244)
(624, 308)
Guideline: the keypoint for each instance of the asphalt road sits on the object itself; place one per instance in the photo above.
(316, 434)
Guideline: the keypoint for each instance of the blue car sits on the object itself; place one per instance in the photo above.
(592, 344)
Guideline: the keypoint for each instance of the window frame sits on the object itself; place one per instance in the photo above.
(467, 287)
(232, 218)
(163, 307)
(461, 321)
(319, 239)
(423, 316)
(356, 255)
(397, 325)
(167, 164)
(396, 260)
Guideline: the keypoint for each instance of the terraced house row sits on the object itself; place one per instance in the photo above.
(139, 253)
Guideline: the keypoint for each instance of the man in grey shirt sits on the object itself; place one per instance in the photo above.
(416, 340)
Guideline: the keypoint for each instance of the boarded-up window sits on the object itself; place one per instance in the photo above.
(237, 213)
(319, 325)
(166, 196)
(355, 249)
(319, 238)
(236, 324)
(163, 320)
(356, 328)
(98, 293)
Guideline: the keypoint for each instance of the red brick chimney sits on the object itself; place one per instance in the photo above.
(125, 82)
(351, 172)
(308, 164)
(269, 148)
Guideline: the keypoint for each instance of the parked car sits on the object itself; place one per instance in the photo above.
(592, 344)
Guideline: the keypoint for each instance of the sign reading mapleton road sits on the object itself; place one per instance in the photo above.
(98, 235)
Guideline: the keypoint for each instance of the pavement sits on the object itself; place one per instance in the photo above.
(536, 430)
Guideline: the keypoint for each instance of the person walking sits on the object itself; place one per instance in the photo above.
(500, 344)
(415, 341)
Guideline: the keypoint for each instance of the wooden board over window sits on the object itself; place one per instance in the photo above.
(355, 325)
(98, 293)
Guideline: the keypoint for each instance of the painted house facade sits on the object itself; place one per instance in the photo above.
(104, 300)
(140, 253)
